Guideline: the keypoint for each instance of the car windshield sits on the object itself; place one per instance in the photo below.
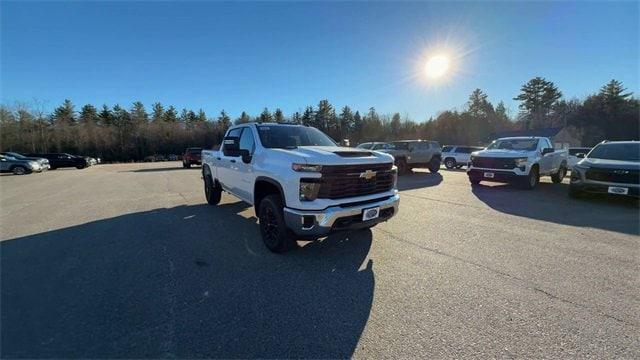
(398, 146)
(622, 152)
(514, 144)
(15, 155)
(364, 146)
(290, 137)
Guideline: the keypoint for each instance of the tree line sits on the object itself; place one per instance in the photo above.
(116, 133)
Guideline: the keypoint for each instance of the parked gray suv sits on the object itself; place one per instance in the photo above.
(18, 166)
(409, 154)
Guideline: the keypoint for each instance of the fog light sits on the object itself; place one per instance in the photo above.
(308, 221)
(308, 190)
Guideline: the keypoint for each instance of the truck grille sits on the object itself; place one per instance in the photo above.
(613, 175)
(494, 163)
(344, 181)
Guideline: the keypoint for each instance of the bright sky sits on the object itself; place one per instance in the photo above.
(245, 56)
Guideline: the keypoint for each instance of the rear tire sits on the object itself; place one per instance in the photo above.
(557, 177)
(212, 192)
(80, 167)
(434, 165)
(19, 170)
(450, 163)
(402, 166)
(275, 234)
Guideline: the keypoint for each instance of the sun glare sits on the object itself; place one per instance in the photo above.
(437, 66)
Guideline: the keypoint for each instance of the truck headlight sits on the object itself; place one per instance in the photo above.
(521, 162)
(394, 173)
(309, 189)
(306, 167)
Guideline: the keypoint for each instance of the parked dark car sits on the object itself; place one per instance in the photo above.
(192, 156)
(61, 160)
(44, 163)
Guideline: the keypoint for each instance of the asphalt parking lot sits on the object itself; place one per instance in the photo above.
(128, 261)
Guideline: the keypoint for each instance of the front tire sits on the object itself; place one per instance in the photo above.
(434, 165)
(275, 234)
(19, 170)
(557, 177)
(531, 181)
(449, 163)
(212, 192)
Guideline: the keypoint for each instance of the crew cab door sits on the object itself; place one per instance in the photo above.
(419, 152)
(228, 158)
(244, 176)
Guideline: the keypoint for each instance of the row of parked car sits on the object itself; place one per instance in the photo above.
(611, 167)
(21, 164)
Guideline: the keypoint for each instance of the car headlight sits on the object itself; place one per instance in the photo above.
(309, 189)
(34, 164)
(521, 161)
(306, 167)
(394, 172)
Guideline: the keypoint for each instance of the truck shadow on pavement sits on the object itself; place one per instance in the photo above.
(550, 202)
(186, 282)
(418, 180)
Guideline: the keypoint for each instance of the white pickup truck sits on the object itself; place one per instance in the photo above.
(521, 160)
(301, 185)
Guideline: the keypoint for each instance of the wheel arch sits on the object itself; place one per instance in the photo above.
(264, 186)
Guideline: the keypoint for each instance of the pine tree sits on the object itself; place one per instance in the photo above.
(224, 121)
(395, 126)
(64, 114)
(243, 119)
(202, 116)
(614, 96)
(171, 115)
(157, 112)
(106, 116)
(265, 116)
(89, 115)
(308, 116)
(325, 116)
(296, 118)
(139, 115)
(346, 122)
(538, 97)
(278, 116)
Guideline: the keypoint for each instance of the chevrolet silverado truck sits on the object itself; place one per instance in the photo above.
(301, 185)
(520, 160)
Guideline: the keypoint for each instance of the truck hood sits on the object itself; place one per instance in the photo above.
(502, 153)
(336, 155)
(610, 164)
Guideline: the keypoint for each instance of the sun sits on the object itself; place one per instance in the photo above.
(437, 66)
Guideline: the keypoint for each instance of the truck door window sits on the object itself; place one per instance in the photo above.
(235, 133)
(246, 140)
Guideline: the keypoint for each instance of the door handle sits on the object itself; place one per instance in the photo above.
(233, 160)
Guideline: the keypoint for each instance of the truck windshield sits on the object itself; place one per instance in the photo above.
(290, 137)
(514, 144)
(622, 152)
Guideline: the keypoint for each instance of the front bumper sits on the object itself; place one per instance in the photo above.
(318, 223)
(580, 183)
(505, 176)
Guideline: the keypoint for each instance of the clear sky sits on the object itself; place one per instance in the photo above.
(245, 56)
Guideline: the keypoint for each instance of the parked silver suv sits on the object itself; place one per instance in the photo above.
(456, 156)
(612, 167)
(409, 154)
(18, 166)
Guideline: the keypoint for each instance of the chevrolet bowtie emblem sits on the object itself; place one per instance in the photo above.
(368, 175)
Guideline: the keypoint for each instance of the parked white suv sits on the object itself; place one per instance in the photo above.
(300, 183)
(518, 159)
(456, 156)
(575, 155)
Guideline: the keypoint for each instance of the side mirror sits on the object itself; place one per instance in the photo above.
(246, 156)
(546, 151)
(231, 145)
(580, 155)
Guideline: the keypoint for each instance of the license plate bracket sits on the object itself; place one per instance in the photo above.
(618, 190)
(370, 213)
(489, 175)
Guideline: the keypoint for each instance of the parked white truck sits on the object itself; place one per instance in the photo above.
(520, 160)
(301, 185)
